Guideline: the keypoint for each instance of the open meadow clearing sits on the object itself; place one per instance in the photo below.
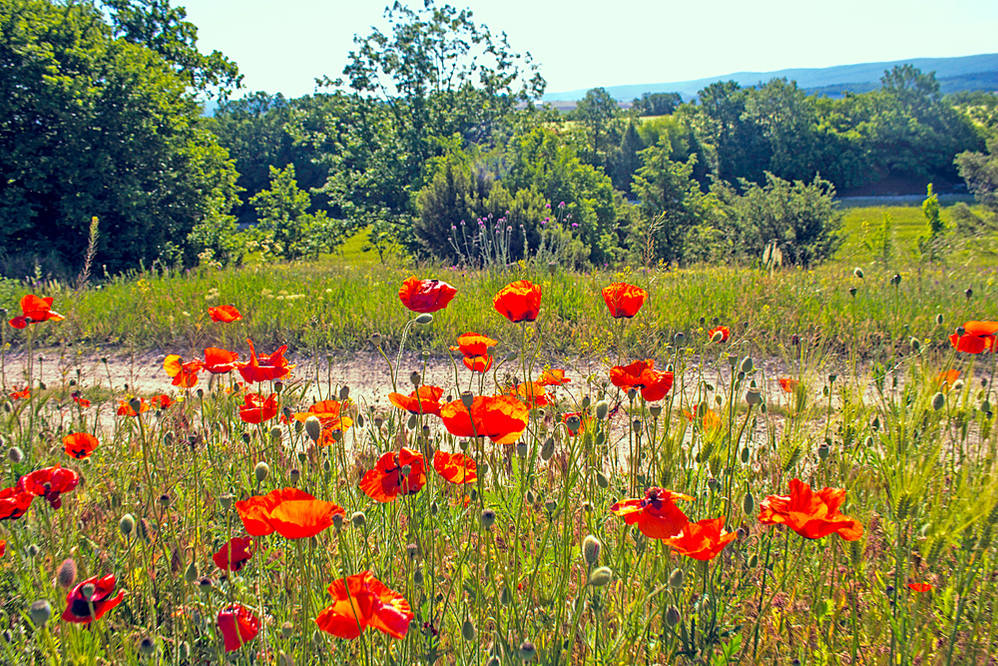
(718, 465)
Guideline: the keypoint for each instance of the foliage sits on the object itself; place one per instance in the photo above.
(597, 114)
(980, 170)
(656, 104)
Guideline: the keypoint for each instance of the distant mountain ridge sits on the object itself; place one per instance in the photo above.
(976, 72)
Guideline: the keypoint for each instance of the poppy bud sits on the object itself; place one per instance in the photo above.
(916, 346)
(468, 630)
(676, 579)
(672, 616)
(753, 396)
(678, 338)
(33, 550)
(747, 365)
(741, 533)
(415, 379)
(939, 319)
(527, 651)
(147, 646)
(338, 521)
(600, 576)
(15, 454)
(411, 421)
(590, 549)
(602, 409)
(434, 508)
(960, 330)
(488, 518)
(547, 450)
(748, 503)
(529, 497)
(958, 385)
(896, 280)
(858, 272)
(745, 453)
(313, 428)
(360, 420)
(344, 392)
(852, 291)
(261, 471)
(40, 611)
(417, 576)
(424, 318)
(601, 480)
(968, 293)
(275, 434)
(358, 519)
(753, 561)
(375, 339)
(467, 399)
(521, 449)
(67, 573)
(326, 465)
(135, 404)
(412, 550)
(294, 476)
(632, 393)
(938, 401)
(225, 500)
(126, 524)
(823, 451)
(717, 337)
(191, 572)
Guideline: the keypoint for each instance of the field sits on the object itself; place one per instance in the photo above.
(643, 512)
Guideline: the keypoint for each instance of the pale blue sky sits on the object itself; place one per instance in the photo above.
(282, 45)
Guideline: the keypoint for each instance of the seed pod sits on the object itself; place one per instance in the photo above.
(527, 651)
(424, 318)
(823, 451)
(294, 476)
(547, 450)
(590, 549)
(655, 410)
(468, 630)
(916, 346)
(338, 521)
(600, 576)
(358, 519)
(467, 399)
(127, 524)
(521, 449)
(344, 392)
(676, 579)
(276, 434)
(938, 401)
(417, 576)
(747, 365)
(753, 396)
(602, 409)
(225, 500)
(672, 616)
(261, 471)
(678, 338)
(415, 378)
(601, 480)
(748, 504)
(939, 319)
(488, 518)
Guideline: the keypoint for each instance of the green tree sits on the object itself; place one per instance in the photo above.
(597, 114)
(625, 159)
(980, 171)
(656, 104)
(737, 147)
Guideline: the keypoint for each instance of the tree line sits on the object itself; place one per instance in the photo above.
(432, 137)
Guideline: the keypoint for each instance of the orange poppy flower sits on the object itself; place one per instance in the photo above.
(788, 384)
(474, 344)
(977, 337)
(947, 378)
(35, 309)
(264, 368)
(654, 384)
(125, 407)
(501, 418)
(424, 400)
(292, 513)
(161, 401)
(20, 394)
(455, 467)
(478, 363)
(329, 413)
(81, 610)
(655, 514)
(257, 409)
(394, 474)
(811, 514)
(79, 444)
(426, 295)
(225, 314)
(237, 625)
(79, 400)
(219, 361)
(234, 554)
(519, 301)
(361, 601)
(701, 540)
(624, 300)
(185, 375)
(724, 332)
(531, 393)
(553, 377)
(3, 547)
(920, 587)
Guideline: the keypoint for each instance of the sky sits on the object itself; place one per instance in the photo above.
(283, 45)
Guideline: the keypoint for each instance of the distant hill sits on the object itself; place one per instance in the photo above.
(977, 72)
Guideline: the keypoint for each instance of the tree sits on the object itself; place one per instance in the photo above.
(94, 126)
(670, 200)
(597, 113)
(980, 171)
(656, 104)
(739, 150)
(625, 159)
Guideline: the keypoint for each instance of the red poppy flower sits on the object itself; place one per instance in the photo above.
(264, 368)
(977, 337)
(185, 375)
(947, 378)
(501, 418)
(553, 377)
(14, 503)
(478, 363)
(35, 309)
(702, 540)
(81, 610)
(79, 400)
(20, 394)
(474, 344)
(394, 474)
(719, 333)
(161, 401)
(225, 314)
(811, 514)
(257, 409)
(219, 361)
(531, 393)
(292, 513)
(424, 400)
(519, 301)
(79, 444)
(329, 413)
(654, 384)
(788, 384)
(234, 555)
(426, 295)
(3, 547)
(50, 483)
(455, 467)
(238, 626)
(655, 514)
(361, 601)
(578, 419)
(920, 587)
(624, 300)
